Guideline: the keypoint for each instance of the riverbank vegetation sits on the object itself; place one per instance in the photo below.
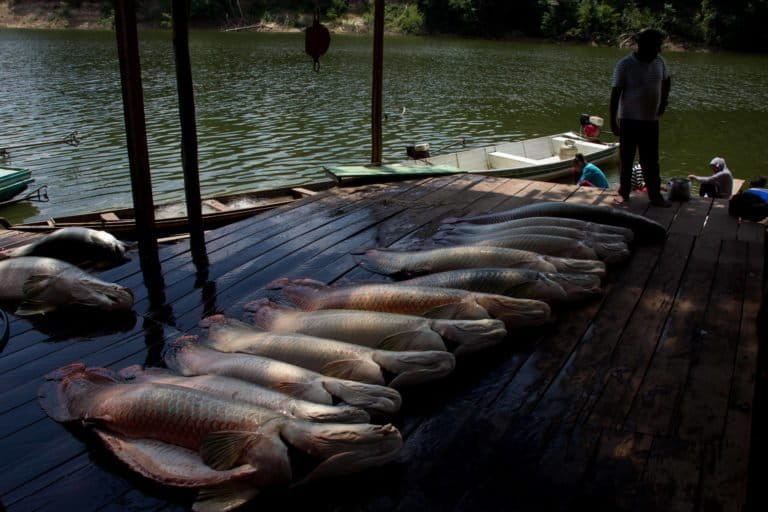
(728, 24)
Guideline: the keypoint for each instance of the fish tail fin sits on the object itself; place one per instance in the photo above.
(227, 449)
(311, 391)
(415, 367)
(354, 369)
(222, 498)
(366, 396)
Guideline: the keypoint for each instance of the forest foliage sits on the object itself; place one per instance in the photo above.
(729, 24)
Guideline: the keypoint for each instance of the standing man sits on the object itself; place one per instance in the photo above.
(639, 96)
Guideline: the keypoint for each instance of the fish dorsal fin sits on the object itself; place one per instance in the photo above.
(399, 342)
(305, 391)
(262, 448)
(223, 450)
(31, 307)
(344, 368)
(35, 284)
(444, 312)
(223, 497)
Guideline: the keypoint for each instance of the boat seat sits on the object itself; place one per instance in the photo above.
(216, 205)
(501, 160)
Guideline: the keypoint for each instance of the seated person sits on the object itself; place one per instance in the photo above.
(720, 184)
(588, 174)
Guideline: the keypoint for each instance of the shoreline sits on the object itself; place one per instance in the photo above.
(88, 16)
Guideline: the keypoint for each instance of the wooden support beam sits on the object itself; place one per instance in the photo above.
(135, 129)
(377, 88)
(180, 14)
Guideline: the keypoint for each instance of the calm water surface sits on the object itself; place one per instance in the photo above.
(265, 120)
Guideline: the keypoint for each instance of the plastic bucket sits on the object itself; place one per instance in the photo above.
(679, 189)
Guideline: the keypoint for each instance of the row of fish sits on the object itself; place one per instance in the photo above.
(42, 276)
(307, 377)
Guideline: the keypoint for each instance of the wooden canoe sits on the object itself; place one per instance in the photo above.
(170, 218)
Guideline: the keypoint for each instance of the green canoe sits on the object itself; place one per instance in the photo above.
(13, 180)
(392, 171)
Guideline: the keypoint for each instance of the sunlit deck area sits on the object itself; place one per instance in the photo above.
(640, 400)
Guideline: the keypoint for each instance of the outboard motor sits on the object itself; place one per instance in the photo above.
(590, 125)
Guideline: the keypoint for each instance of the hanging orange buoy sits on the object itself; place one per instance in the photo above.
(317, 40)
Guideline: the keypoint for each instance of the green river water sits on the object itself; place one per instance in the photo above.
(266, 120)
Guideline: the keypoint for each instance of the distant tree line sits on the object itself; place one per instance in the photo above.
(730, 24)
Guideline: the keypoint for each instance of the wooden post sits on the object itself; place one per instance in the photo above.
(135, 129)
(189, 160)
(378, 64)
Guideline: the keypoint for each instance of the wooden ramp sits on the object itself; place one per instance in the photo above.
(641, 400)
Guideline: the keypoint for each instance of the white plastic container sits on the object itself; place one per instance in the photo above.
(595, 120)
(568, 150)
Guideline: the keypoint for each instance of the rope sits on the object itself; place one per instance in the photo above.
(72, 139)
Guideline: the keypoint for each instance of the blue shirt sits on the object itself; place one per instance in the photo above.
(594, 175)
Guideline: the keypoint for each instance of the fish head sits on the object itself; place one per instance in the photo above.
(578, 286)
(92, 292)
(469, 334)
(66, 391)
(340, 448)
(516, 312)
(540, 288)
(212, 319)
(611, 252)
(107, 240)
(265, 311)
(573, 266)
(178, 350)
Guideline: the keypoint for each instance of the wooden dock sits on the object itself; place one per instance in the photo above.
(641, 400)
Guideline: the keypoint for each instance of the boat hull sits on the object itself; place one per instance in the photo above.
(121, 223)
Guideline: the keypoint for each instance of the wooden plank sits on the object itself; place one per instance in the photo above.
(659, 395)
(751, 232)
(719, 223)
(705, 401)
(615, 479)
(108, 217)
(673, 476)
(725, 476)
(640, 337)
(535, 466)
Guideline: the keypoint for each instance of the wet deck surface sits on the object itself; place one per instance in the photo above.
(642, 399)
